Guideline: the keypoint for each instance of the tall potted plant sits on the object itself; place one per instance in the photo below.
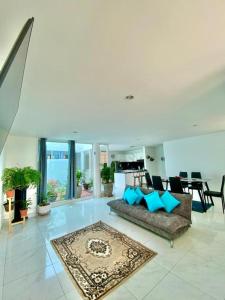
(106, 180)
(8, 185)
(79, 186)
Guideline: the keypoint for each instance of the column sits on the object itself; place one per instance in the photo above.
(96, 170)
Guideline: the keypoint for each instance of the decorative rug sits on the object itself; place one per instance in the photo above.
(197, 206)
(99, 258)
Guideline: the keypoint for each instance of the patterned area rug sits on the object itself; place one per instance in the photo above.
(98, 258)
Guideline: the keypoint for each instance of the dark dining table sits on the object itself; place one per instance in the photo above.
(204, 181)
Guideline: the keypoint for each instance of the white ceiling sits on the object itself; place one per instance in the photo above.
(85, 56)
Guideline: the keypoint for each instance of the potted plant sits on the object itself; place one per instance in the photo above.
(52, 190)
(44, 206)
(19, 179)
(24, 205)
(106, 180)
(78, 179)
(8, 184)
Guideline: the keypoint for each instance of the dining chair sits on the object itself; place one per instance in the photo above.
(176, 185)
(184, 175)
(148, 180)
(217, 194)
(198, 186)
(157, 183)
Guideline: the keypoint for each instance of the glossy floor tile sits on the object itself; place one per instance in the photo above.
(30, 269)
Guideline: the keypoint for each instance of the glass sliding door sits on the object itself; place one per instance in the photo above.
(84, 170)
(57, 170)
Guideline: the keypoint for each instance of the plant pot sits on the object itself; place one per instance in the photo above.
(86, 186)
(23, 213)
(44, 210)
(108, 188)
(6, 206)
(79, 191)
(10, 194)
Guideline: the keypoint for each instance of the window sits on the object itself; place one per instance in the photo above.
(57, 170)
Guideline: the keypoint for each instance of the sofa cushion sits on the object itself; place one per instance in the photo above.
(153, 201)
(169, 202)
(131, 196)
(140, 194)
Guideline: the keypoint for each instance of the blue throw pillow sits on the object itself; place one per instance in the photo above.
(140, 195)
(126, 191)
(169, 201)
(130, 196)
(153, 201)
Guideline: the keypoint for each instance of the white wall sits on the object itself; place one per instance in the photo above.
(129, 155)
(204, 153)
(156, 167)
(21, 152)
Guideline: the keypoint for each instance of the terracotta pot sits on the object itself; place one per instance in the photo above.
(10, 194)
(23, 213)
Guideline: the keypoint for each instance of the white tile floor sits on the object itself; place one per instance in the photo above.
(193, 269)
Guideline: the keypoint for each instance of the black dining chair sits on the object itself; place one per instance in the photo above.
(184, 175)
(148, 180)
(198, 186)
(217, 194)
(157, 183)
(176, 185)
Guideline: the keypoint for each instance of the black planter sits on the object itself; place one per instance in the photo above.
(19, 195)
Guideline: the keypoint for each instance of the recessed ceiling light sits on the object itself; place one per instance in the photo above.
(129, 97)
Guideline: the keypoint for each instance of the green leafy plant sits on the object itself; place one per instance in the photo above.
(105, 173)
(25, 204)
(79, 175)
(52, 187)
(8, 179)
(43, 201)
(112, 170)
(20, 178)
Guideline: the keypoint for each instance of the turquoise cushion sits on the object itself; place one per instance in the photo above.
(169, 201)
(153, 201)
(126, 191)
(140, 194)
(130, 196)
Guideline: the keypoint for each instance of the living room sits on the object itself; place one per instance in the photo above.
(112, 142)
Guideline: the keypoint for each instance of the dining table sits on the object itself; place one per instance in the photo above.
(189, 180)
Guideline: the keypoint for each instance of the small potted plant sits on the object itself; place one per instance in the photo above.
(24, 205)
(79, 187)
(44, 207)
(8, 184)
(106, 180)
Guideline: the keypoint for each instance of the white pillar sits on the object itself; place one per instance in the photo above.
(96, 170)
(109, 160)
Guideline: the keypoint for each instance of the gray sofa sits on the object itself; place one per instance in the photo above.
(169, 226)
